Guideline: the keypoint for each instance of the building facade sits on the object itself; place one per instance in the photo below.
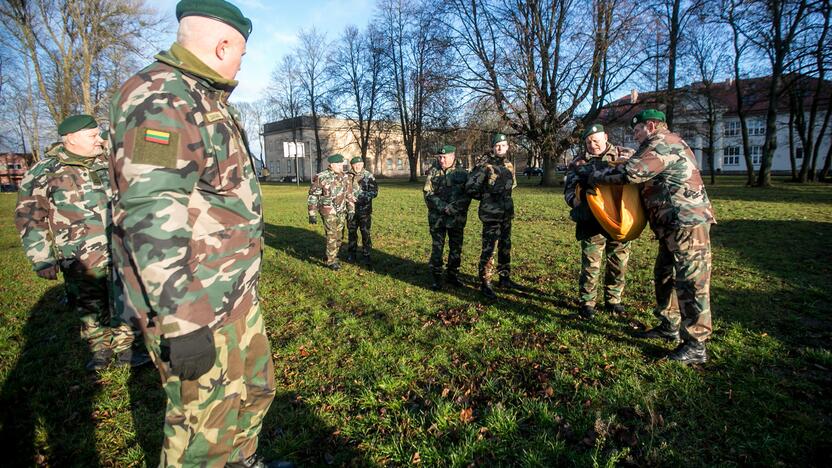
(690, 121)
(290, 149)
(13, 167)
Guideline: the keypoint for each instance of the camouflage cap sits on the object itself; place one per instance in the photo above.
(335, 158)
(592, 129)
(75, 123)
(219, 10)
(498, 137)
(447, 149)
(356, 160)
(647, 114)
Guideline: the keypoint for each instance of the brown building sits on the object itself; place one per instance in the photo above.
(13, 167)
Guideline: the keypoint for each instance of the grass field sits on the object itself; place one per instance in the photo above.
(375, 369)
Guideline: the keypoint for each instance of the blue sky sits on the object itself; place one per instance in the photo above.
(274, 34)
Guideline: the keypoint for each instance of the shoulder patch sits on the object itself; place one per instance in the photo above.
(155, 147)
(215, 116)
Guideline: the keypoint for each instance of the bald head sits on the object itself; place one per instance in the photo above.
(217, 44)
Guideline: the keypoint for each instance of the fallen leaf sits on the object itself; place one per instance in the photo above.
(466, 415)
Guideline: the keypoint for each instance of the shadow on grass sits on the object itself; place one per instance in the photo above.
(47, 398)
(308, 246)
(795, 258)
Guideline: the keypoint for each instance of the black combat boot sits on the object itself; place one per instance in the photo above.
(334, 266)
(617, 309)
(452, 279)
(587, 311)
(100, 360)
(132, 358)
(506, 283)
(662, 332)
(436, 285)
(256, 461)
(689, 352)
(351, 257)
(487, 290)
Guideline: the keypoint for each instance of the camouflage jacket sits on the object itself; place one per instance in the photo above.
(445, 196)
(673, 191)
(613, 154)
(330, 193)
(63, 210)
(491, 182)
(364, 188)
(187, 214)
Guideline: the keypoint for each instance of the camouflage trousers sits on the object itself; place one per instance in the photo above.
(455, 238)
(683, 266)
(334, 232)
(592, 253)
(360, 222)
(217, 418)
(88, 293)
(495, 236)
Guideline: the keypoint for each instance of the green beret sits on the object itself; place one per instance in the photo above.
(647, 114)
(219, 10)
(447, 149)
(594, 128)
(335, 159)
(498, 137)
(105, 135)
(74, 123)
(356, 160)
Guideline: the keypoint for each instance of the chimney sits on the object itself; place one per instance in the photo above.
(633, 96)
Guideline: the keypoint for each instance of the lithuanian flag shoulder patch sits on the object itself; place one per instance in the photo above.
(157, 136)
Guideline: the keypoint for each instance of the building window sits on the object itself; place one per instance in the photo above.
(732, 128)
(798, 153)
(389, 164)
(289, 166)
(399, 165)
(731, 156)
(756, 155)
(756, 127)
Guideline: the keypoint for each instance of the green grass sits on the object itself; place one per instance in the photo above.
(373, 368)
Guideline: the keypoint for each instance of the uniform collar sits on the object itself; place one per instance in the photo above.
(69, 158)
(181, 58)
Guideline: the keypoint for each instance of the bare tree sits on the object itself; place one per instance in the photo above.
(72, 46)
(311, 56)
(776, 24)
(415, 56)
(284, 94)
(357, 77)
(540, 61)
(676, 16)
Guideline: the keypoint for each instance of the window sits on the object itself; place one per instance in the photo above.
(289, 166)
(731, 156)
(275, 168)
(399, 165)
(756, 127)
(389, 164)
(756, 155)
(798, 153)
(731, 128)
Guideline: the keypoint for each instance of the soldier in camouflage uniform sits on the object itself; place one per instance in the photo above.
(447, 203)
(599, 154)
(187, 238)
(63, 216)
(365, 188)
(331, 195)
(491, 182)
(680, 215)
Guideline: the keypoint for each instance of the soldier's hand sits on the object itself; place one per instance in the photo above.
(50, 272)
(313, 219)
(350, 216)
(192, 355)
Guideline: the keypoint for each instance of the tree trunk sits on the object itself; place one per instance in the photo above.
(315, 129)
(770, 145)
(671, 62)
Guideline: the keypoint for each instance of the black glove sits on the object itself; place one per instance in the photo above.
(192, 355)
(50, 272)
(313, 219)
(350, 217)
